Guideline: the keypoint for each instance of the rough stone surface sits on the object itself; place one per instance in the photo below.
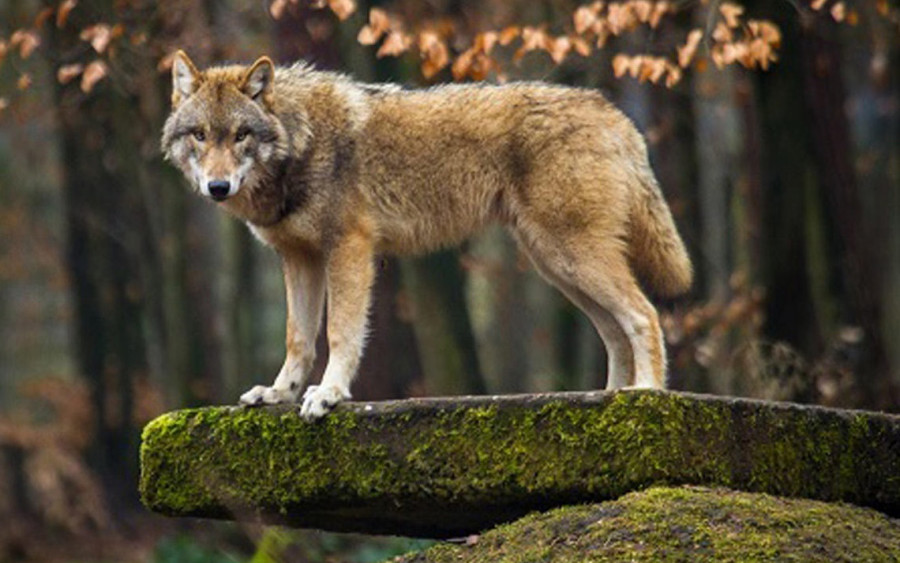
(684, 524)
(451, 467)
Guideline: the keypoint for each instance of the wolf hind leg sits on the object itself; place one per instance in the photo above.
(593, 272)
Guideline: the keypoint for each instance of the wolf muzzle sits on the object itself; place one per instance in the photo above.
(219, 189)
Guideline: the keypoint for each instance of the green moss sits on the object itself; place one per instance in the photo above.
(684, 524)
(455, 466)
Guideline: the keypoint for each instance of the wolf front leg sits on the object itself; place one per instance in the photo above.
(350, 272)
(304, 282)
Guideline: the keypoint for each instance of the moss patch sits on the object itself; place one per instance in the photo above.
(449, 467)
(684, 524)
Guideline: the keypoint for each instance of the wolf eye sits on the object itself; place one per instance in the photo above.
(241, 135)
(199, 135)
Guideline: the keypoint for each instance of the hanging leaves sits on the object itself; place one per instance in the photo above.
(93, 73)
(25, 40)
(62, 13)
(67, 73)
(377, 26)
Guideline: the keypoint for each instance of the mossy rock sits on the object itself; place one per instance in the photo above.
(684, 524)
(451, 467)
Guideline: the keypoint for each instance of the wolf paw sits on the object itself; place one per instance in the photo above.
(319, 400)
(262, 395)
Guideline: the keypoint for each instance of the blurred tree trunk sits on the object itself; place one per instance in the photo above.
(790, 313)
(854, 240)
(105, 226)
(441, 324)
(125, 242)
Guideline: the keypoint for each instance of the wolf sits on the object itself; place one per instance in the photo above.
(331, 172)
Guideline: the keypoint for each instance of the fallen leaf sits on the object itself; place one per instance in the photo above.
(817, 4)
(277, 8)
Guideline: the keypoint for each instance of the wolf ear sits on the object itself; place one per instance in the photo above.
(185, 77)
(258, 81)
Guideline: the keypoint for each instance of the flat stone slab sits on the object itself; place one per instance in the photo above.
(449, 467)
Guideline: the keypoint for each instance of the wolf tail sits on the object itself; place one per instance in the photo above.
(656, 251)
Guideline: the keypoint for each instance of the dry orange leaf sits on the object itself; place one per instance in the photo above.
(462, 64)
(434, 52)
(395, 44)
(817, 4)
(642, 9)
(66, 73)
(378, 24)
(839, 12)
(580, 46)
(93, 73)
(41, 18)
(24, 81)
(277, 8)
(558, 48)
(620, 17)
(62, 13)
(484, 42)
(509, 34)
(343, 9)
(765, 30)
(583, 18)
(4, 103)
(3, 49)
(659, 10)
(687, 51)
(601, 30)
(99, 36)
(731, 13)
(26, 41)
(722, 33)
(673, 77)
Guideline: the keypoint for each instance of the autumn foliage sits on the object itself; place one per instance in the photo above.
(727, 38)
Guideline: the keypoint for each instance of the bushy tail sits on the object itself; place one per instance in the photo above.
(657, 253)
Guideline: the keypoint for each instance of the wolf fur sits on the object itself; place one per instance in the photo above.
(331, 172)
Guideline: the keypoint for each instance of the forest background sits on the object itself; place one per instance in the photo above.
(773, 129)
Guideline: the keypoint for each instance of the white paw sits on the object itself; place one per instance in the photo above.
(262, 395)
(319, 400)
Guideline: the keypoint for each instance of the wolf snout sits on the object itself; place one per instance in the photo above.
(219, 189)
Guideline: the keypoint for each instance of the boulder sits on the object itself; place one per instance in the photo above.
(451, 467)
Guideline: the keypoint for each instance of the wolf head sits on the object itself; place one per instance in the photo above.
(222, 132)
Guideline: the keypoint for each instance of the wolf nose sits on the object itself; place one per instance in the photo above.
(218, 189)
